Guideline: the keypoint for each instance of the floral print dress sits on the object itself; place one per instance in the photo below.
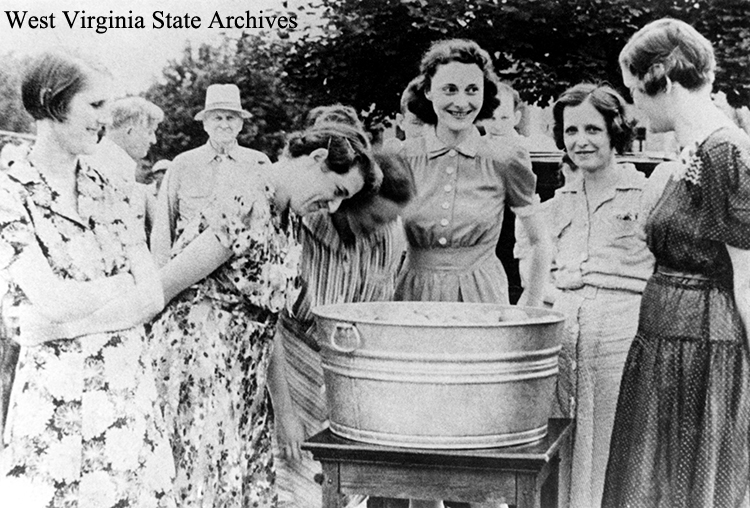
(84, 429)
(212, 350)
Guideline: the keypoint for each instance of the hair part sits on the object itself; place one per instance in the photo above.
(669, 50)
(442, 53)
(50, 82)
(347, 145)
(129, 111)
(606, 100)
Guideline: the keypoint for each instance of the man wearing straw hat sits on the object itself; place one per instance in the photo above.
(194, 176)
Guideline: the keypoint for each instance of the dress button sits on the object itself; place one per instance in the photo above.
(450, 170)
(451, 153)
(448, 188)
(442, 240)
(446, 205)
(444, 222)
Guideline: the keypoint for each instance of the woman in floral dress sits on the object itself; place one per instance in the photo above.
(682, 423)
(83, 429)
(238, 260)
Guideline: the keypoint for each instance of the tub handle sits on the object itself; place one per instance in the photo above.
(345, 338)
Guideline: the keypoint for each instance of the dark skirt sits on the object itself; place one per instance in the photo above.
(682, 424)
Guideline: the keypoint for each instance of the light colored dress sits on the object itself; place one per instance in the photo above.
(332, 272)
(212, 346)
(84, 429)
(600, 266)
(453, 223)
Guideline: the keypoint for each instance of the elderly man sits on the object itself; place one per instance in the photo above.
(125, 143)
(127, 139)
(193, 177)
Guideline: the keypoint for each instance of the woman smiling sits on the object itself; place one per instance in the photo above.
(463, 184)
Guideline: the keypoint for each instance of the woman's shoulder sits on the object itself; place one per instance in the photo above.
(504, 154)
(732, 138)
(411, 147)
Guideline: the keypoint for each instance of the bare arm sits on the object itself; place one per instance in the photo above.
(540, 248)
(128, 307)
(290, 429)
(142, 301)
(63, 300)
(741, 266)
(204, 255)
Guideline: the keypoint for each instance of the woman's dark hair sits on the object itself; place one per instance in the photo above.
(607, 101)
(334, 113)
(348, 146)
(398, 182)
(445, 52)
(51, 81)
(669, 49)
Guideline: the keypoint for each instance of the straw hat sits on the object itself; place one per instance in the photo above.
(226, 97)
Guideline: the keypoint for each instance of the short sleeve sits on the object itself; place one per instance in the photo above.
(238, 222)
(520, 181)
(16, 227)
(725, 192)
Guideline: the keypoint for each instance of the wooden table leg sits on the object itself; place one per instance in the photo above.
(331, 487)
(550, 489)
(527, 495)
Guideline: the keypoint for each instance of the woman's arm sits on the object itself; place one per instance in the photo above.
(129, 307)
(58, 299)
(199, 259)
(140, 303)
(540, 249)
(291, 432)
(741, 266)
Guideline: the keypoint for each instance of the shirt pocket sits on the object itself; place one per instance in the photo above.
(626, 224)
(193, 200)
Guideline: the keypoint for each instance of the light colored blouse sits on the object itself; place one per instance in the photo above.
(453, 224)
(604, 247)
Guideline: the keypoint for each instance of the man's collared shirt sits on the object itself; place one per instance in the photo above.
(190, 185)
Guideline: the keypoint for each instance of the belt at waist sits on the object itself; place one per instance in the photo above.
(451, 258)
(669, 272)
(590, 292)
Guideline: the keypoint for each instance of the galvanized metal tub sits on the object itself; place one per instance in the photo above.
(439, 374)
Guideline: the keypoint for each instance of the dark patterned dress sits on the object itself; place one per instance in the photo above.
(212, 345)
(682, 425)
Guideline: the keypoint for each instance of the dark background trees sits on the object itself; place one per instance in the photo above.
(368, 50)
(363, 52)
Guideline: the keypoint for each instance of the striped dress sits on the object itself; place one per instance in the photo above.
(332, 272)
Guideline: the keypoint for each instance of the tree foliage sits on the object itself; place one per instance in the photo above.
(14, 117)
(366, 51)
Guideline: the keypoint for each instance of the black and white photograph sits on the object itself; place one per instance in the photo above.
(375, 254)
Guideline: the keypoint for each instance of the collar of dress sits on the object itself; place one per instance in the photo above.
(436, 148)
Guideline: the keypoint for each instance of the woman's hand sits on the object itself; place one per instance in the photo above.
(36, 329)
(291, 434)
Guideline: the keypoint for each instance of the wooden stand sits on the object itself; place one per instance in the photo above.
(524, 476)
